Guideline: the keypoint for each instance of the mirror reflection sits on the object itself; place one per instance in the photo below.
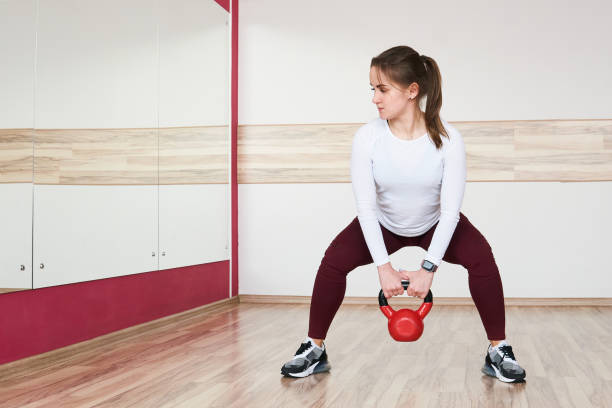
(17, 47)
(114, 139)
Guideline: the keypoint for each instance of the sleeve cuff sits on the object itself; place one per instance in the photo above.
(382, 262)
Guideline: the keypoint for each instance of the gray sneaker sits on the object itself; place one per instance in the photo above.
(307, 360)
(501, 363)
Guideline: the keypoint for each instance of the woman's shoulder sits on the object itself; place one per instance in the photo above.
(370, 131)
(450, 129)
(453, 145)
(375, 125)
(454, 136)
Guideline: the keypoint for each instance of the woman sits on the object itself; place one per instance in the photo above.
(408, 175)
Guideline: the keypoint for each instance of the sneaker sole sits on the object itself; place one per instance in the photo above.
(494, 372)
(313, 369)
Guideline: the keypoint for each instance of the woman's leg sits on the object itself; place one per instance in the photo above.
(469, 248)
(346, 252)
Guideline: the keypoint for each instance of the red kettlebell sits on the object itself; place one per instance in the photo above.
(405, 324)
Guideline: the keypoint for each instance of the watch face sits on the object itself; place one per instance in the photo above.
(427, 265)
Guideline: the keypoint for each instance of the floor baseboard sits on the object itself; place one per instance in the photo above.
(442, 301)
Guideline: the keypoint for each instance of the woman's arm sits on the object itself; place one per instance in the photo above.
(451, 196)
(364, 190)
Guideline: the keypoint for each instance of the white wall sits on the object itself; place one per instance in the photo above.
(548, 239)
(308, 62)
(63, 61)
(92, 76)
(17, 42)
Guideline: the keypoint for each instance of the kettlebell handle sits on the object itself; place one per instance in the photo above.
(382, 300)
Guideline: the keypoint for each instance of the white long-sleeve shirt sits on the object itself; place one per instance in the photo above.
(407, 186)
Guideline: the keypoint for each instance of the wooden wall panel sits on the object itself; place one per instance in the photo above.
(563, 151)
(16, 155)
(489, 150)
(295, 153)
(555, 150)
(559, 150)
(197, 155)
(95, 156)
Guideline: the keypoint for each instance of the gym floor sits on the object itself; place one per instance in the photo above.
(230, 356)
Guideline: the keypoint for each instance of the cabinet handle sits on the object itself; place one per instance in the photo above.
(42, 266)
(153, 254)
(164, 253)
(22, 267)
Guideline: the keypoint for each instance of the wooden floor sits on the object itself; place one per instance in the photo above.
(231, 357)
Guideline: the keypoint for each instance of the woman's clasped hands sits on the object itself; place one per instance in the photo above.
(391, 281)
(420, 281)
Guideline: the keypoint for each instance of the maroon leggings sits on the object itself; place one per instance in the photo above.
(468, 248)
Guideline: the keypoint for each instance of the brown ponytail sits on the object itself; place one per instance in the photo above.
(403, 66)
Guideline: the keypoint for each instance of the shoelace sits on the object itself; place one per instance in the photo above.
(507, 352)
(303, 347)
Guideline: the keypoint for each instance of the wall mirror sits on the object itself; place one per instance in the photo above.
(114, 138)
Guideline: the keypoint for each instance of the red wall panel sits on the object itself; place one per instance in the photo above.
(40, 320)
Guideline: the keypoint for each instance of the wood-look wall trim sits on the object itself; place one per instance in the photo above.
(501, 151)
(187, 155)
(530, 150)
(16, 155)
(446, 301)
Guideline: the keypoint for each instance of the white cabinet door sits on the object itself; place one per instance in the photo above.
(193, 224)
(15, 236)
(84, 233)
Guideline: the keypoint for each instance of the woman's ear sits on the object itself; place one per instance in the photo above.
(413, 90)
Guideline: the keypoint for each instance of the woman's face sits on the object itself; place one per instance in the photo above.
(390, 100)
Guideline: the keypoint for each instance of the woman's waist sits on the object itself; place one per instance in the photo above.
(408, 225)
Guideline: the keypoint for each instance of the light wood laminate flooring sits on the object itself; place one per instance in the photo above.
(231, 357)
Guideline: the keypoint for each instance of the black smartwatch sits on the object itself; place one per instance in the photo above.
(429, 266)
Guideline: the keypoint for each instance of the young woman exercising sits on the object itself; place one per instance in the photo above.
(408, 173)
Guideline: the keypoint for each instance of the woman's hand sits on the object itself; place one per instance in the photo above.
(420, 281)
(390, 280)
